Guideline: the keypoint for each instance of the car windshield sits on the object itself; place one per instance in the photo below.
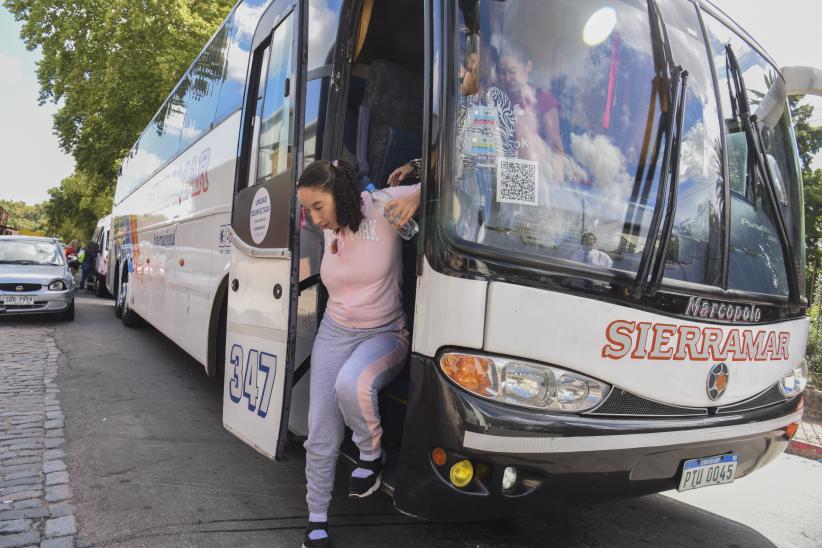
(30, 252)
(558, 146)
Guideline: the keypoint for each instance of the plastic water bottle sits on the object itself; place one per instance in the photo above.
(379, 198)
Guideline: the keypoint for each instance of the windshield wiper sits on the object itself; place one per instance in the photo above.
(741, 108)
(673, 81)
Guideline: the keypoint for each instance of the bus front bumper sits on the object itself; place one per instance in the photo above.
(560, 459)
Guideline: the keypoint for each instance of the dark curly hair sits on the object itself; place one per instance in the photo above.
(339, 180)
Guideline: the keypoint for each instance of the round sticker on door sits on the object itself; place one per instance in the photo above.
(260, 215)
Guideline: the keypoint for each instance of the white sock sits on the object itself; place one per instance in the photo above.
(318, 517)
(370, 457)
(365, 472)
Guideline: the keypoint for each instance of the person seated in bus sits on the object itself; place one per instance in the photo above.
(362, 342)
(588, 253)
(486, 131)
(537, 109)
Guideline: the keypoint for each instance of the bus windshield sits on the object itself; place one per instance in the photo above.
(558, 144)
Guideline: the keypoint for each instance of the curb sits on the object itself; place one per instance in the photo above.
(804, 449)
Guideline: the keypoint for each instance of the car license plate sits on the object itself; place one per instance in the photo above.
(717, 470)
(18, 300)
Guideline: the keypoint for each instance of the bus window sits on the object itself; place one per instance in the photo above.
(173, 123)
(756, 262)
(556, 117)
(274, 152)
(312, 146)
(323, 16)
(206, 77)
(240, 32)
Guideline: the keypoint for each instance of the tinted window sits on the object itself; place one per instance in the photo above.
(240, 33)
(695, 248)
(206, 77)
(322, 31)
(274, 151)
(756, 259)
(173, 125)
(313, 130)
(555, 123)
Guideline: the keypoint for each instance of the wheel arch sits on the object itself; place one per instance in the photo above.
(216, 329)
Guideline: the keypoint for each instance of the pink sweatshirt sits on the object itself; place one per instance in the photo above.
(364, 277)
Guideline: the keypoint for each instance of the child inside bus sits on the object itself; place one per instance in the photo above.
(362, 342)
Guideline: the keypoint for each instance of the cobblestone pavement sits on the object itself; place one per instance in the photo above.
(810, 432)
(35, 497)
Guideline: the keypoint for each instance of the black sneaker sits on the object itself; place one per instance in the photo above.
(324, 542)
(359, 488)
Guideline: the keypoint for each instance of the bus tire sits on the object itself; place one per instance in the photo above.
(130, 317)
(100, 287)
(119, 297)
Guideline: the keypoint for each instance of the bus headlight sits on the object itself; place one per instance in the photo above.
(795, 380)
(523, 383)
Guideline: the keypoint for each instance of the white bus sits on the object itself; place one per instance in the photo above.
(607, 292)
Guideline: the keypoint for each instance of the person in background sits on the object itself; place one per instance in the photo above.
(71, 248)
(362, 342)
(89, 259)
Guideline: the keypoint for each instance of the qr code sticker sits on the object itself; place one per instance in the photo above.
(517, 181)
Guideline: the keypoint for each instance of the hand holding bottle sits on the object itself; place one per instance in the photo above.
(398, 211)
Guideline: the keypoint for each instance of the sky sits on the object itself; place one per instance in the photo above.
(31, 161)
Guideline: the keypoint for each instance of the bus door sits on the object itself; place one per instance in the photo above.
(263, 278)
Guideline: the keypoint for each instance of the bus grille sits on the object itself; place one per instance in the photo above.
(620, 403)
(770, 396)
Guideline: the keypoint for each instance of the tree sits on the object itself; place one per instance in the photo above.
(25, 217)
(108, 65)
(809, 142)
(75, 206)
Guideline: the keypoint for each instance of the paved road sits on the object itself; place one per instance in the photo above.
(150, 465)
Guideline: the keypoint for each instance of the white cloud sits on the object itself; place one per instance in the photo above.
(11, 70)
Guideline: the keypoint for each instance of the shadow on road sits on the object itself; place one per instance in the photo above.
(151, 465)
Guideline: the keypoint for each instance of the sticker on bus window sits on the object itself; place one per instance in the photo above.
(517, 181)
(260, 216)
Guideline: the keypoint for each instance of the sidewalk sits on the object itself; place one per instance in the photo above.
(807, 442)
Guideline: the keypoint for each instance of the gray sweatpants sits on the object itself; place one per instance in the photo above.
(348, 367)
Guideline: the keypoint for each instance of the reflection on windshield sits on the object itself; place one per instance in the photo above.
(557, 122)
(756, 262)
(33, 253)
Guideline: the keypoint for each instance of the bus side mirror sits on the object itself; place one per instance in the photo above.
(794, 81)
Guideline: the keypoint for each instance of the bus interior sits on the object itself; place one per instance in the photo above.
(382, 131)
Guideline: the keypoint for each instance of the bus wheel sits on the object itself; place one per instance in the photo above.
(121, 296)
(100, 287)
(130, 317)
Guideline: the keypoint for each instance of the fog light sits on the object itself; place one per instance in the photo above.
(461, 473)
(438, 456)
(509, 477)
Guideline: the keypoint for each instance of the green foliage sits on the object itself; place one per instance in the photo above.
(813, 355)
(75, 206)
(809, 142)
(25, 217)
(108, 65)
